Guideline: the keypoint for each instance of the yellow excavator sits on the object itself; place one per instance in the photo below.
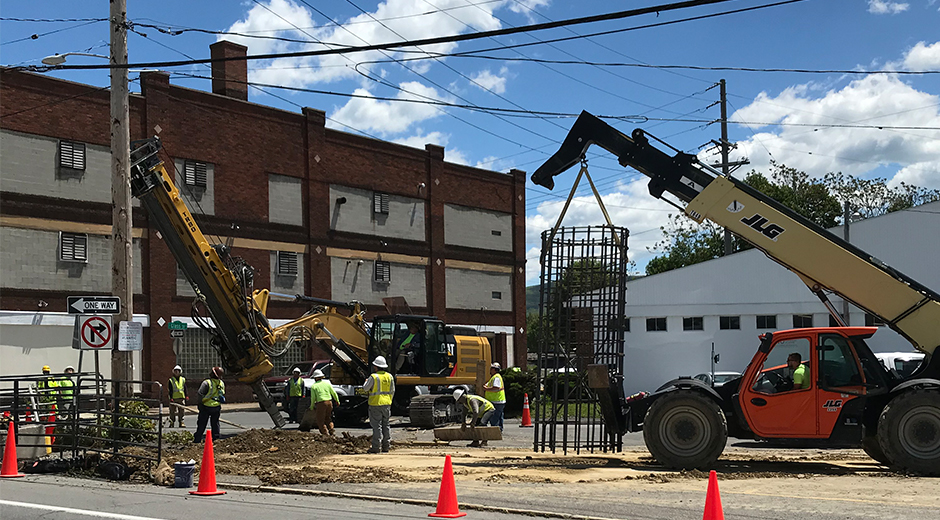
(227, 305)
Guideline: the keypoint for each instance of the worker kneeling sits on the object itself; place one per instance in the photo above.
(322, 399)
(478, 409)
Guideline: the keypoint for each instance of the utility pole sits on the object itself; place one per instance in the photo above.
(846, 220)
(724, 152)
(122, 284)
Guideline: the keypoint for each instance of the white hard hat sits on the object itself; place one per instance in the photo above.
(380, 362)
(70, 367)
(497, 366)
(458, 393)
(177, 367)
(296, 370)
(318, 374)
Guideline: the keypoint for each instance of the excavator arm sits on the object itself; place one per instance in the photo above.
(823, 261)
(241, 333)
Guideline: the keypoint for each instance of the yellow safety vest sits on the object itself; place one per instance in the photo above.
(177, 387)
(484, 404)
(216, 388)
(498, 396)
(295, 387)
(65, 387)
(381, 392)
(47, 389)
(407, 342)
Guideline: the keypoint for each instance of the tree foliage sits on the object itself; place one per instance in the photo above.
(873, 197)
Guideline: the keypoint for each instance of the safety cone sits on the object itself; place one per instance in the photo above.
(713, 499)
(526, 418)
(11, 466)
(447, 498)
(207, 471)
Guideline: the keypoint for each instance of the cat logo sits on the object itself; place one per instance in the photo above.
(832, 405)
(760, 223)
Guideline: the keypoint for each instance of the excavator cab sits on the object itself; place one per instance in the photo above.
(412, 345)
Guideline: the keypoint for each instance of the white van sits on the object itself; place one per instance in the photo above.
(904, 363)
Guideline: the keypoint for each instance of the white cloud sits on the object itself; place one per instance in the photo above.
(882, 7)
(492, 82)
(388, 117)
(526, 7)
(441, 139)
(923, 57)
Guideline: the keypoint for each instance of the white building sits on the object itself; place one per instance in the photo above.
(676, 316)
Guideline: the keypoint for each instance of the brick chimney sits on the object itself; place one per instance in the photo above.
(229, 77)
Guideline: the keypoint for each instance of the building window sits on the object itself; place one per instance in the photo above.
(383, 271)
(71, 157)
(195, 174)
(497, 295)
(655, 324)
(287, 263)
(873, 321)
(802, 321)
(73, 247)
(496, 233)
(767, 322)
(379, 203)
(833, 322)
(694, 323)
(729, 322)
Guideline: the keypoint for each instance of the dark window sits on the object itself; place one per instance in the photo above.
(287, 263)
(71, 156)
(195, 173)
(497, 295)
(496, 233)
(802, 321)
(73, 247)
(383, 271)
(767, 322)
(833, 322)
(694, 323)
(729, 322)
(626, 324)
(379, 203)
(655, 324)
(873, 321)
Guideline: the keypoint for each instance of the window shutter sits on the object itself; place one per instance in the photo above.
(383, 271)
(72, 155)
(195, 173)
(380, 203)
(73, 247)
(287, 263)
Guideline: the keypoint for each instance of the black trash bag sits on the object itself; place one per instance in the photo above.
(112, 470)
(47, 466)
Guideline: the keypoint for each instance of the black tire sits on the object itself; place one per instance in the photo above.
(909, 431)
(872, 448)
(685, 430)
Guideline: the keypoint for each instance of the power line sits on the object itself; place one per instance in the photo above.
(54, 20)
(37, 36)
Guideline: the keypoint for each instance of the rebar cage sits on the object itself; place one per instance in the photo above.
(581, 323)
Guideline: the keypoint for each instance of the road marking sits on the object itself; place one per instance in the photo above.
(70, 510)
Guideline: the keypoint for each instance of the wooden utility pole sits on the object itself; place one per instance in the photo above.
(724, 153)
(122, 284)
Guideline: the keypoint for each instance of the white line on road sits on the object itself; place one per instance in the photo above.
(70, 510)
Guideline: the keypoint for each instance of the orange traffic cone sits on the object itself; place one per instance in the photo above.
(713, 499)
(207, 471)
(447, 498)
(526, 418)
(11, 466)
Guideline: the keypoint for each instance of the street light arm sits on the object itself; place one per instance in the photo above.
(59, 59)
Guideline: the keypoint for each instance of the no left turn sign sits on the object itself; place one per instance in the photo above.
(95, 332)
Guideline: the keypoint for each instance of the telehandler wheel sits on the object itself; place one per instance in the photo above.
(685, 430)
(873, 449)
(909, 431)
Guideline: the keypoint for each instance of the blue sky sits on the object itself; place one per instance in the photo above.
(789, 116)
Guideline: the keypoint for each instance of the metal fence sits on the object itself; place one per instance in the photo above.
(93, 415)
(581, 325)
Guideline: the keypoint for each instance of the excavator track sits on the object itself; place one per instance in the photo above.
(433, 410)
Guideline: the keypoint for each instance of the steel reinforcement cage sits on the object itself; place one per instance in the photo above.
(581, 323)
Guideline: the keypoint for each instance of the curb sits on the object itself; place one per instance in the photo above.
(410, 501)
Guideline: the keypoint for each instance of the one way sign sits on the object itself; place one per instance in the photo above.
(94, 304)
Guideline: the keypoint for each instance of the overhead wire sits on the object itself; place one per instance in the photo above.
(36, 36)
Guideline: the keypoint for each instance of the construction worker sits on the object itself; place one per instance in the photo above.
(322, 400)
(408, 348)
(177, 390)
(47, 386)
(66, 388)
(478, 409)
(294, 392)
(381, 387)
(211, 396)
(800, 377)
(495, 392)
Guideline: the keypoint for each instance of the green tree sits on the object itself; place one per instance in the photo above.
(873, 197)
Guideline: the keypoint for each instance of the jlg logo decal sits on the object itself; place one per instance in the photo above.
(833, 404)
(760, 223)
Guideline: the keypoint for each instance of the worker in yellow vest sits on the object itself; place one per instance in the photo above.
(294, 391)
(47, 387)
(66, 388)
(381, 387)
(476, 408)
(176, 387)
(495, 392)
(211, 396)
(322, 400)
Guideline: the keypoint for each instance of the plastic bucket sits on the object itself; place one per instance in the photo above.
(183, 476)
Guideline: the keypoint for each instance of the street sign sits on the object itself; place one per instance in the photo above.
(130, 336)
(177, 325)
(177, 333)
(92, 333)
(94, 304)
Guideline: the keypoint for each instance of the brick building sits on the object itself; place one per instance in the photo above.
(314, 210)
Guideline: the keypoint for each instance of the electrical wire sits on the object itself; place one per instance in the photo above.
(37, 36)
